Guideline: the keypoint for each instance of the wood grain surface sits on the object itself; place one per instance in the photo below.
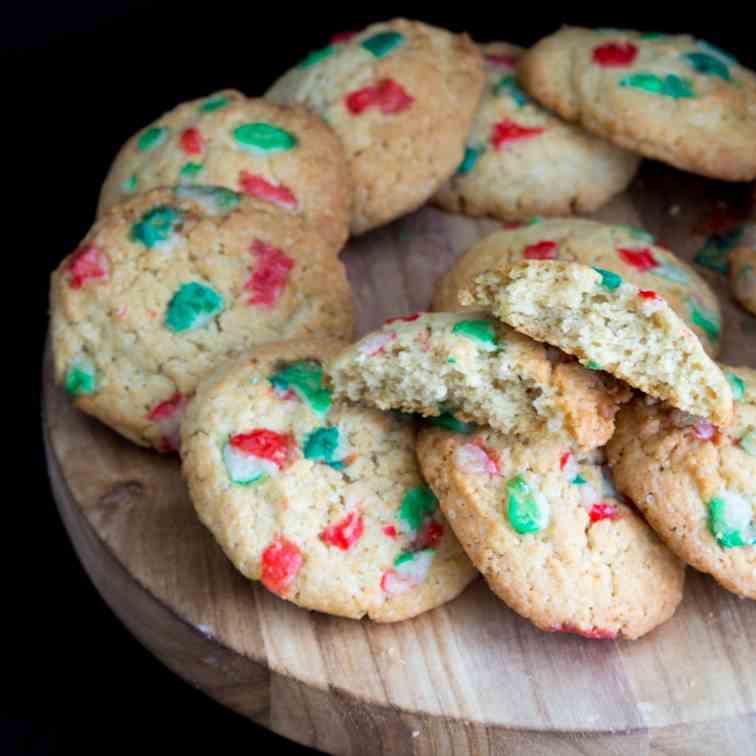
(469, 678)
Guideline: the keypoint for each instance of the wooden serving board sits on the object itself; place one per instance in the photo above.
(469, 678)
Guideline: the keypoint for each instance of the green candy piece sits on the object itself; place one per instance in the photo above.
(637, 233)
(609, 279)
(670, 86)
(578, 480)
(748, 443)
(192, 307)
(716, 52)
(306, 379)
(525, 512)
(383, 43)
(708, 322)
(321, 445)
(592, 365)
(214, 103)
(152, 138)
(221, 198)
(737, 386)
(653, 35)
(314, 57)
(157, 225)
(716, 251)
(671, 273)
(448, 421)
(469, 160)
(264, 138)
(481, 331)
(190, 170)
(417, 504)
(130, 184)
(534, 221)
(729, 523)
(708, 64)
(508, 85)
(80, 377)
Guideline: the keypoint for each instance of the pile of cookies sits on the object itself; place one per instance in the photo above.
(557, 422)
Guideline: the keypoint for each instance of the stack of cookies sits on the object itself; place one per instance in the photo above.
(557, 422)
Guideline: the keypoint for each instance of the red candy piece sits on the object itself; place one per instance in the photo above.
(428, 536)
(506, 131)
(270, 275)
(511, 225)
(265, 444)
(281, 561)
(405, 318)
(595, 632)
(640, 259)
(615, 54)
(501, 59)
(602, 510)
(86, 263)
(647, 294)
(191, 142)
(341, 37)
(345, 533)
(390, 531)
(542, 250)
(387, 95)
(257, 186)
(564, 459)
(165, 409)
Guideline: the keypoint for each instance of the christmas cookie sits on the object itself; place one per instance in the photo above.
(322, 501)
(521, 160)
(630, 252)
(696, 484)
(672, 98)
(608, 324)
(743, 277)
(168, 284)
(480, 371)
(281, 155)
(402, 96)
(550, 534)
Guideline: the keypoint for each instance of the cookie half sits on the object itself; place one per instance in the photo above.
(401, 95)
(521, 160)
(628, 251)
(550, 535)
(282, 155)
(608, 324)
(669, 97)
(694, 483)
(477, 370)
(322, 501)
(170, 283)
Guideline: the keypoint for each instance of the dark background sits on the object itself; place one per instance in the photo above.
(79, 79)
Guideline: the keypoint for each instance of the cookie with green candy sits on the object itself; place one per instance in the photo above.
(672, 98)
(284, 156)
(631, 252)
(550, 534)
(608, 324)
(521, 160)
(320, 500)
(401, 95)
(481, 371)
(169, 283)
(695, 483)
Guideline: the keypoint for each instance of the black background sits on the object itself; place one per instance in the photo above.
(78, 80)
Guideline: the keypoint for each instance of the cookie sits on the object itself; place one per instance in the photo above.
(402, 96)
(521, 160)
(630, 252)
(743, 277)
(549, 533)
(320, 500)
(479, 371)
(672, 98)
(608, 324)
(282, 155)
(696, 484)
(168, 284)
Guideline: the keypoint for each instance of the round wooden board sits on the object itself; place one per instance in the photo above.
(469, 678)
